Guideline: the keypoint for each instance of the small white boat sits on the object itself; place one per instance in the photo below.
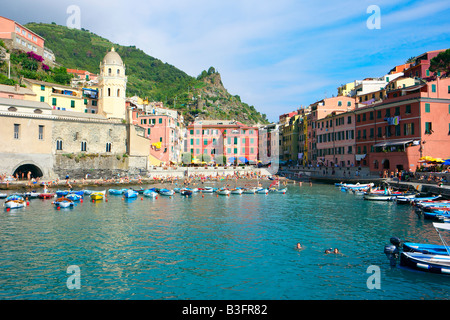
(3, 195)
(63, 203)
(224, 192)
(150, 193)
(236, 191)
(249, 190)
(262, 191)
(166, 192)
(12, 204)
(208, 190)
(283, 191)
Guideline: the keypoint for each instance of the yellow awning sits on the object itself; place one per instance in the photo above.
(157, 145)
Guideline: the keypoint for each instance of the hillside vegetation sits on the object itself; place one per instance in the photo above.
(148, 77)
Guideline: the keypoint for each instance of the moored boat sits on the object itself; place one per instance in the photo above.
(63, 202)
(98, 195)
(236, 191)
(46, 195)
(12, 204)
(166, 192)
(186, 192)
(423, 257)
(223, 191)
(74, 197)
(130, 193)
(262, 191)
(150, 193)
(249, 190)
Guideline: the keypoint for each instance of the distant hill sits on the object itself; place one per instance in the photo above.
(204, 97)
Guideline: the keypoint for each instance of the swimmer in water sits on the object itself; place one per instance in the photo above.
(299, 246)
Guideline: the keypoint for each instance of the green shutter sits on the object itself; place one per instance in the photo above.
(427, 107)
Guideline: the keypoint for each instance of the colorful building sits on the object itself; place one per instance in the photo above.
(16, 36)
(413, 122)
(421, 66)
(222, 141)
(320, 110)
(58, 96)
(336, 140)
(164, 130)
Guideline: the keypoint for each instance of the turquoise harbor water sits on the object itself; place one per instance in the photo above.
(213, 248)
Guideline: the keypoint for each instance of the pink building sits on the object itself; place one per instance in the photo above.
(320, 110)
(222, 138)
(335, 136)
(16, 92)
(420, 68)
(412, 123)
(161, 130)
(17, 36)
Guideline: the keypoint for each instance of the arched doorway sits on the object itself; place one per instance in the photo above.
(386, 164)
(23, 170)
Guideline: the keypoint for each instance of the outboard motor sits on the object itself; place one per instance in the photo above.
(392, 250)
(396, 241)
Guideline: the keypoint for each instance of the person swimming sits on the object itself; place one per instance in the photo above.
(299, 246)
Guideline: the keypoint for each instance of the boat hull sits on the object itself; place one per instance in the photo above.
(426, 262)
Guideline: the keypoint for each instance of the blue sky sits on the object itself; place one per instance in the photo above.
(276, 55)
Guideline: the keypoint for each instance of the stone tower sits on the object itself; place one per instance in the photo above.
(113, 84)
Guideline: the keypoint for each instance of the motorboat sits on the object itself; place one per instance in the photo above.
(423, 257)
(186, 192)
(166, 192)
(130, 193)
(63, 202)
(262, 191)
(208, 190)
(14, 201)
(249, 190)
(236, 191)
(150, 193)
(223, 191)
(98, 195)
(74, 197)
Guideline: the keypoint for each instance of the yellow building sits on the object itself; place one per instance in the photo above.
(345, 89)
(58, 96)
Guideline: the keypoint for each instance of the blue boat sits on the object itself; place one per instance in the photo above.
(186, 192)
(424, 248)
(74, 197)
(117, 191)
(150, 193)
(130, 194)
(62, 193)
(424, 257)
(436, 215)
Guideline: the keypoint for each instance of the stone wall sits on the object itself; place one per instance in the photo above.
(77, 166)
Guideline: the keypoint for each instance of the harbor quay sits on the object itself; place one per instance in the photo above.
(157, 176)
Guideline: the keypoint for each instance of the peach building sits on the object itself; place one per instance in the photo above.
(235, 141)
(16, 36)
(320, 110)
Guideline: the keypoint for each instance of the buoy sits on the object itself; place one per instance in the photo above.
(156, 197)
(7, 209)
(28, 203)
(203, 195)
(93, 200)
(58, 208)
(106, 200)
(81, 200)
(142, 198)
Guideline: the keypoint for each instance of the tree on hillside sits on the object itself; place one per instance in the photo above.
(441, 62)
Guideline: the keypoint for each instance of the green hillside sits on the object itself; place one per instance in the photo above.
(148, 76)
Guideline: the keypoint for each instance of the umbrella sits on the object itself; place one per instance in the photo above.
(243, 159)
(446, 162)
(231, 159)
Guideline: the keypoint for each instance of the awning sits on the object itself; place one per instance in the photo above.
(392, 143)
